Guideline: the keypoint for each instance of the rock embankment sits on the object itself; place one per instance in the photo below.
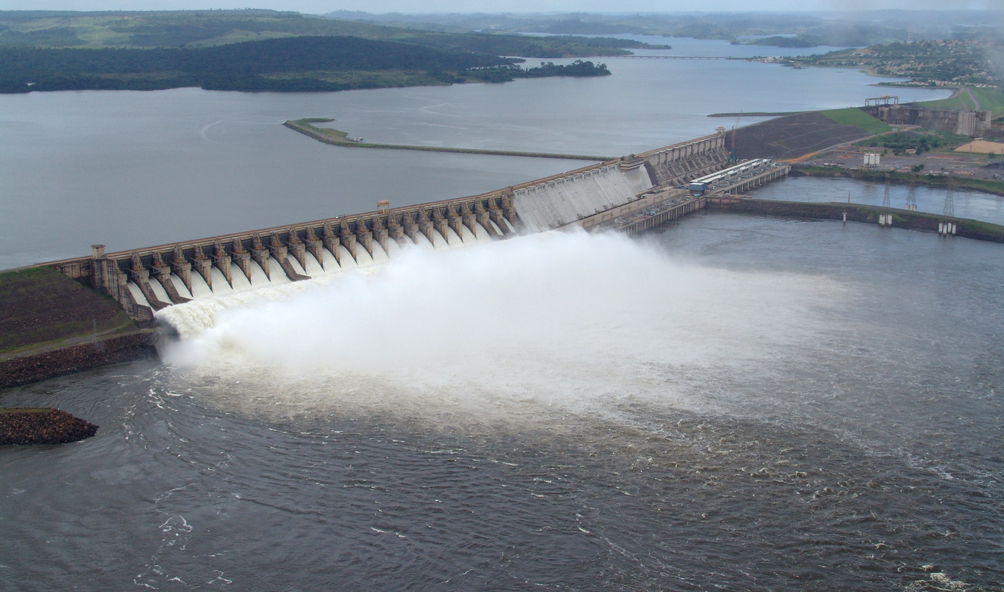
(791, 136)
(67, 360)
(42, 426)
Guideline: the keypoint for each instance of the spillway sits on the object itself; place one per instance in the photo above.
(566, 199)
(153, 279)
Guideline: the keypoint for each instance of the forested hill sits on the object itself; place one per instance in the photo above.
(205, 28)
(305, 63)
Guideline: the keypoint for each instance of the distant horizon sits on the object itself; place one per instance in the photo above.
(520, 7)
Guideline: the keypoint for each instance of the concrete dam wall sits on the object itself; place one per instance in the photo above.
(564, 200)
(150, 279)
(964, 123)
(157, 277)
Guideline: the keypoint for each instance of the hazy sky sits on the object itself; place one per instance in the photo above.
(413, 6)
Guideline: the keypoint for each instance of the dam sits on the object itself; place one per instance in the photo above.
(598, 196)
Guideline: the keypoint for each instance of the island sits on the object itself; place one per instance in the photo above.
(33, 426)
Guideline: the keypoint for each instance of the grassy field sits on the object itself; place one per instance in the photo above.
(857, 118)
(42, 307)
(959, 100)
(991, 99)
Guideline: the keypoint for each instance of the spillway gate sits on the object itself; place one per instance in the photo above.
(638, 191)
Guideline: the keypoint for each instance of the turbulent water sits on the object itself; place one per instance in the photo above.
(734, 404)
(737, 403)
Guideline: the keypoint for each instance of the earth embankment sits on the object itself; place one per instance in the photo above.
(52, 325)
(792, 136)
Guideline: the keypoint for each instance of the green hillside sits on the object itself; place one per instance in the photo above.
(206, 28)
(857, 118)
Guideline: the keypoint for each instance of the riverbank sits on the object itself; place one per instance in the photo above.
(53, 325)
(41, 365)
(899, 177)
(340, 138)
(966, 228)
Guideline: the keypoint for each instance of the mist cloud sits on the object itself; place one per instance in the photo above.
(574, 321)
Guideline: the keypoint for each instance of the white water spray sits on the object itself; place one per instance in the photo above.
(559, 320)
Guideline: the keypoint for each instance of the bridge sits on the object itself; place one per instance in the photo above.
(657, 57)
(631, 193)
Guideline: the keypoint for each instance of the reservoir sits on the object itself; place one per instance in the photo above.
(134, 169)
(736, 402)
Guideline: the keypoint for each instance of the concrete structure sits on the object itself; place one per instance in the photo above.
(174, 273)
(884, 101)
(965, 123)
(149, 279)
(740, 178)
(647, 213)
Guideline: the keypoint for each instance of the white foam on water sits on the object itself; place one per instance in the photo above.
(566, 322)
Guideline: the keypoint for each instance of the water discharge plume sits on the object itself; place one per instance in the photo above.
(571, 321)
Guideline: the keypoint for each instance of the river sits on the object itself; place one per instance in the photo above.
(977, 205)
(736, 402)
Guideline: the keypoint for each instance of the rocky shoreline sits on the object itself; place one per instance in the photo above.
(33, 367)
(24, 427)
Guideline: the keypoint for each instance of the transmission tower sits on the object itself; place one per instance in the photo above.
(949, 204)
(885, 199)
(911, 198)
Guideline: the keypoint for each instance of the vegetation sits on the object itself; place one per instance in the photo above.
(262, 50)
(490, 33)
(340, 138)
(919, 140)
(857, 118)
(43, 306)
(282, 65)
(960, 100)
(991, 99)
(944, 62)
(967, 98)
(194, 29)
